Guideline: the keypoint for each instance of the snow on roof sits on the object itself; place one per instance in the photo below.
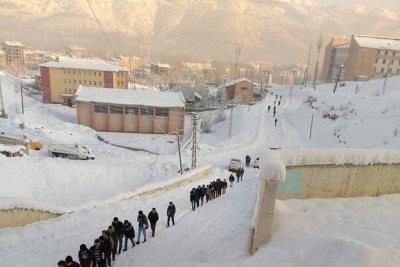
(198, 95)
(76, 48)
(237, 81)
(162, 65)
(377, 42)
(13, 43)
(130, 97)
(271, 166)
(343, 46)
(84, 64)
(304, 157)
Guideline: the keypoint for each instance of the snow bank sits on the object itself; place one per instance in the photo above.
(13, 202)
(300, 157)
(11, 149)
(271, 166)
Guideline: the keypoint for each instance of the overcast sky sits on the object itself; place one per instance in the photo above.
(382, 3)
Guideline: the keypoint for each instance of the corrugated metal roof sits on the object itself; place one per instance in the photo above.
(84, 64)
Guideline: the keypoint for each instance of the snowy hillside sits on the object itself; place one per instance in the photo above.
(336, 232)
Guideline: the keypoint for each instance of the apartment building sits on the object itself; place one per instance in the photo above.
(372, 57)
(131, 111)
(76, 51)
(60, 78)
(334, 56)
(14, 52)
(3, 58)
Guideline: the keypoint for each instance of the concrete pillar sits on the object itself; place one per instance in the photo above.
(265, 214)
(27, 144)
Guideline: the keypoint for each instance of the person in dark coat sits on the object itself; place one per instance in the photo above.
(129, 232)
(224, 186)
(114, 236)
(276, 121)
(193, 198)
(279, 103)
(61, 264)
(171, 213)
(269, 108)
(203, 193)
(231, 179)
(208, 193)
(86, 257)
(241, 174)
(153, 218)
(248, 159)
(198, 195)
(105, 243)
(143, 224)
(70, 263)
(99, 253)
(120, 230)
(274, 113)
(238, 174)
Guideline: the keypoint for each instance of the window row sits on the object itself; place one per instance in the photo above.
(389, 70)
(385, 52)
(69, 90)
(130, 110)
(108, 85)
(384, 61)
(95, 73)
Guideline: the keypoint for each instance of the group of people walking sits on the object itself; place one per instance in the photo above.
(274, 110)
(214, 190)
(110, 242)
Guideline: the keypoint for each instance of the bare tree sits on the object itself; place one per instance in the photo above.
(320, 42)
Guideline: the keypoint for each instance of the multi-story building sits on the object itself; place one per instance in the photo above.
(76, 51)
(14, 52)
(371, 57)
(340, 55)
(331, 61)
(61, 78)
(3, 58)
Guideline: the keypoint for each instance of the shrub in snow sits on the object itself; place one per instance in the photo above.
(271, 166)
(206, 123)
(385, 140)
(310, 100)
(395, 132)
(342, 84)
(332, 116)
(376, 93)
(385, 110)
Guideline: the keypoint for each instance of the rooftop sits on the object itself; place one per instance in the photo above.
(377, 42)
(13, 43)
(83, 64)
(130, 97)
(343, 46)
(76, 47)
(237, 81)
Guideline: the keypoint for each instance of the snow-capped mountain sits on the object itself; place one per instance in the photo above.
(274, 30)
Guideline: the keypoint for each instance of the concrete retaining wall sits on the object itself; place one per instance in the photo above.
(332, 181)
(19, 217)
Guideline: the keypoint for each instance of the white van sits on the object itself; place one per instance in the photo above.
(70, 151)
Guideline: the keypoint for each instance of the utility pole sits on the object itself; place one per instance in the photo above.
(319, 46)
(230, 122)
(22, 98)
(237, 56)
(3, 113)
(179, 150)
(222, 98)
(194, 140)
(308, 67)
(386, 76)
(338, 77)
(312, 120)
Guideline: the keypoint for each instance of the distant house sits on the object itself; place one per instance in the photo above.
(76, 51)
(241, 89)
(130, 111)
(160, 69)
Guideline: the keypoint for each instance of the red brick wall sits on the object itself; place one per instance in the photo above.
(108, 79)
(45, 80)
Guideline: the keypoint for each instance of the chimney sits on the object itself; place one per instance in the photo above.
(57, 59)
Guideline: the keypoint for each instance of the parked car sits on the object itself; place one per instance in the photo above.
(234, 164)
(256, 163)
(70, 151)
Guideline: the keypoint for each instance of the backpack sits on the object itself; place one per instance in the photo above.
(193, 193)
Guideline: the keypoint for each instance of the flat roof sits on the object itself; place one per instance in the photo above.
(237, 81)
(13, 43)
(130, 97)
(82, 63)
(377, 42)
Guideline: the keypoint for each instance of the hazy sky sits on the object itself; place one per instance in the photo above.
(382, 3)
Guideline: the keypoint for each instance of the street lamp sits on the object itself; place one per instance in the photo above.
(338, 77)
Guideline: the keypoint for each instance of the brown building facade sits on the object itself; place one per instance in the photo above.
(372, 57)
(331, 59)
(60, 79)
(130, 111)
(14, 53)
(241, 89)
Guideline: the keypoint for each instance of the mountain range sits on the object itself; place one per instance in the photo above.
(277, 31)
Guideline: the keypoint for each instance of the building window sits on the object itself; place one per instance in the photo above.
(390, 71)
(146, 110)
(69, 72)
(73, 72)
(376, 60)
(90, 82)
(398, 71)
(79, 72)
(65, 72)
(131, 110)
(74, 90)
(392, 61)
(65, 80)
(244, 88)
(99, 73)
(117, 82)
(162, 112)
(80, 82)
(122, 83)
(69, 90)
(398, 63)
(89, 73)
(118, 73)
(109, 74)
(382, 70)
(65, 90)
(116, 109)
(100, 83)
(378, 51)
(384, 61)
(94, 83)
(394, 53)
(374, 69)
(74, 81)
(84, 82)
(84, 72)
(386, 52)
(100, 108)
(69, 81)
(94, 73)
